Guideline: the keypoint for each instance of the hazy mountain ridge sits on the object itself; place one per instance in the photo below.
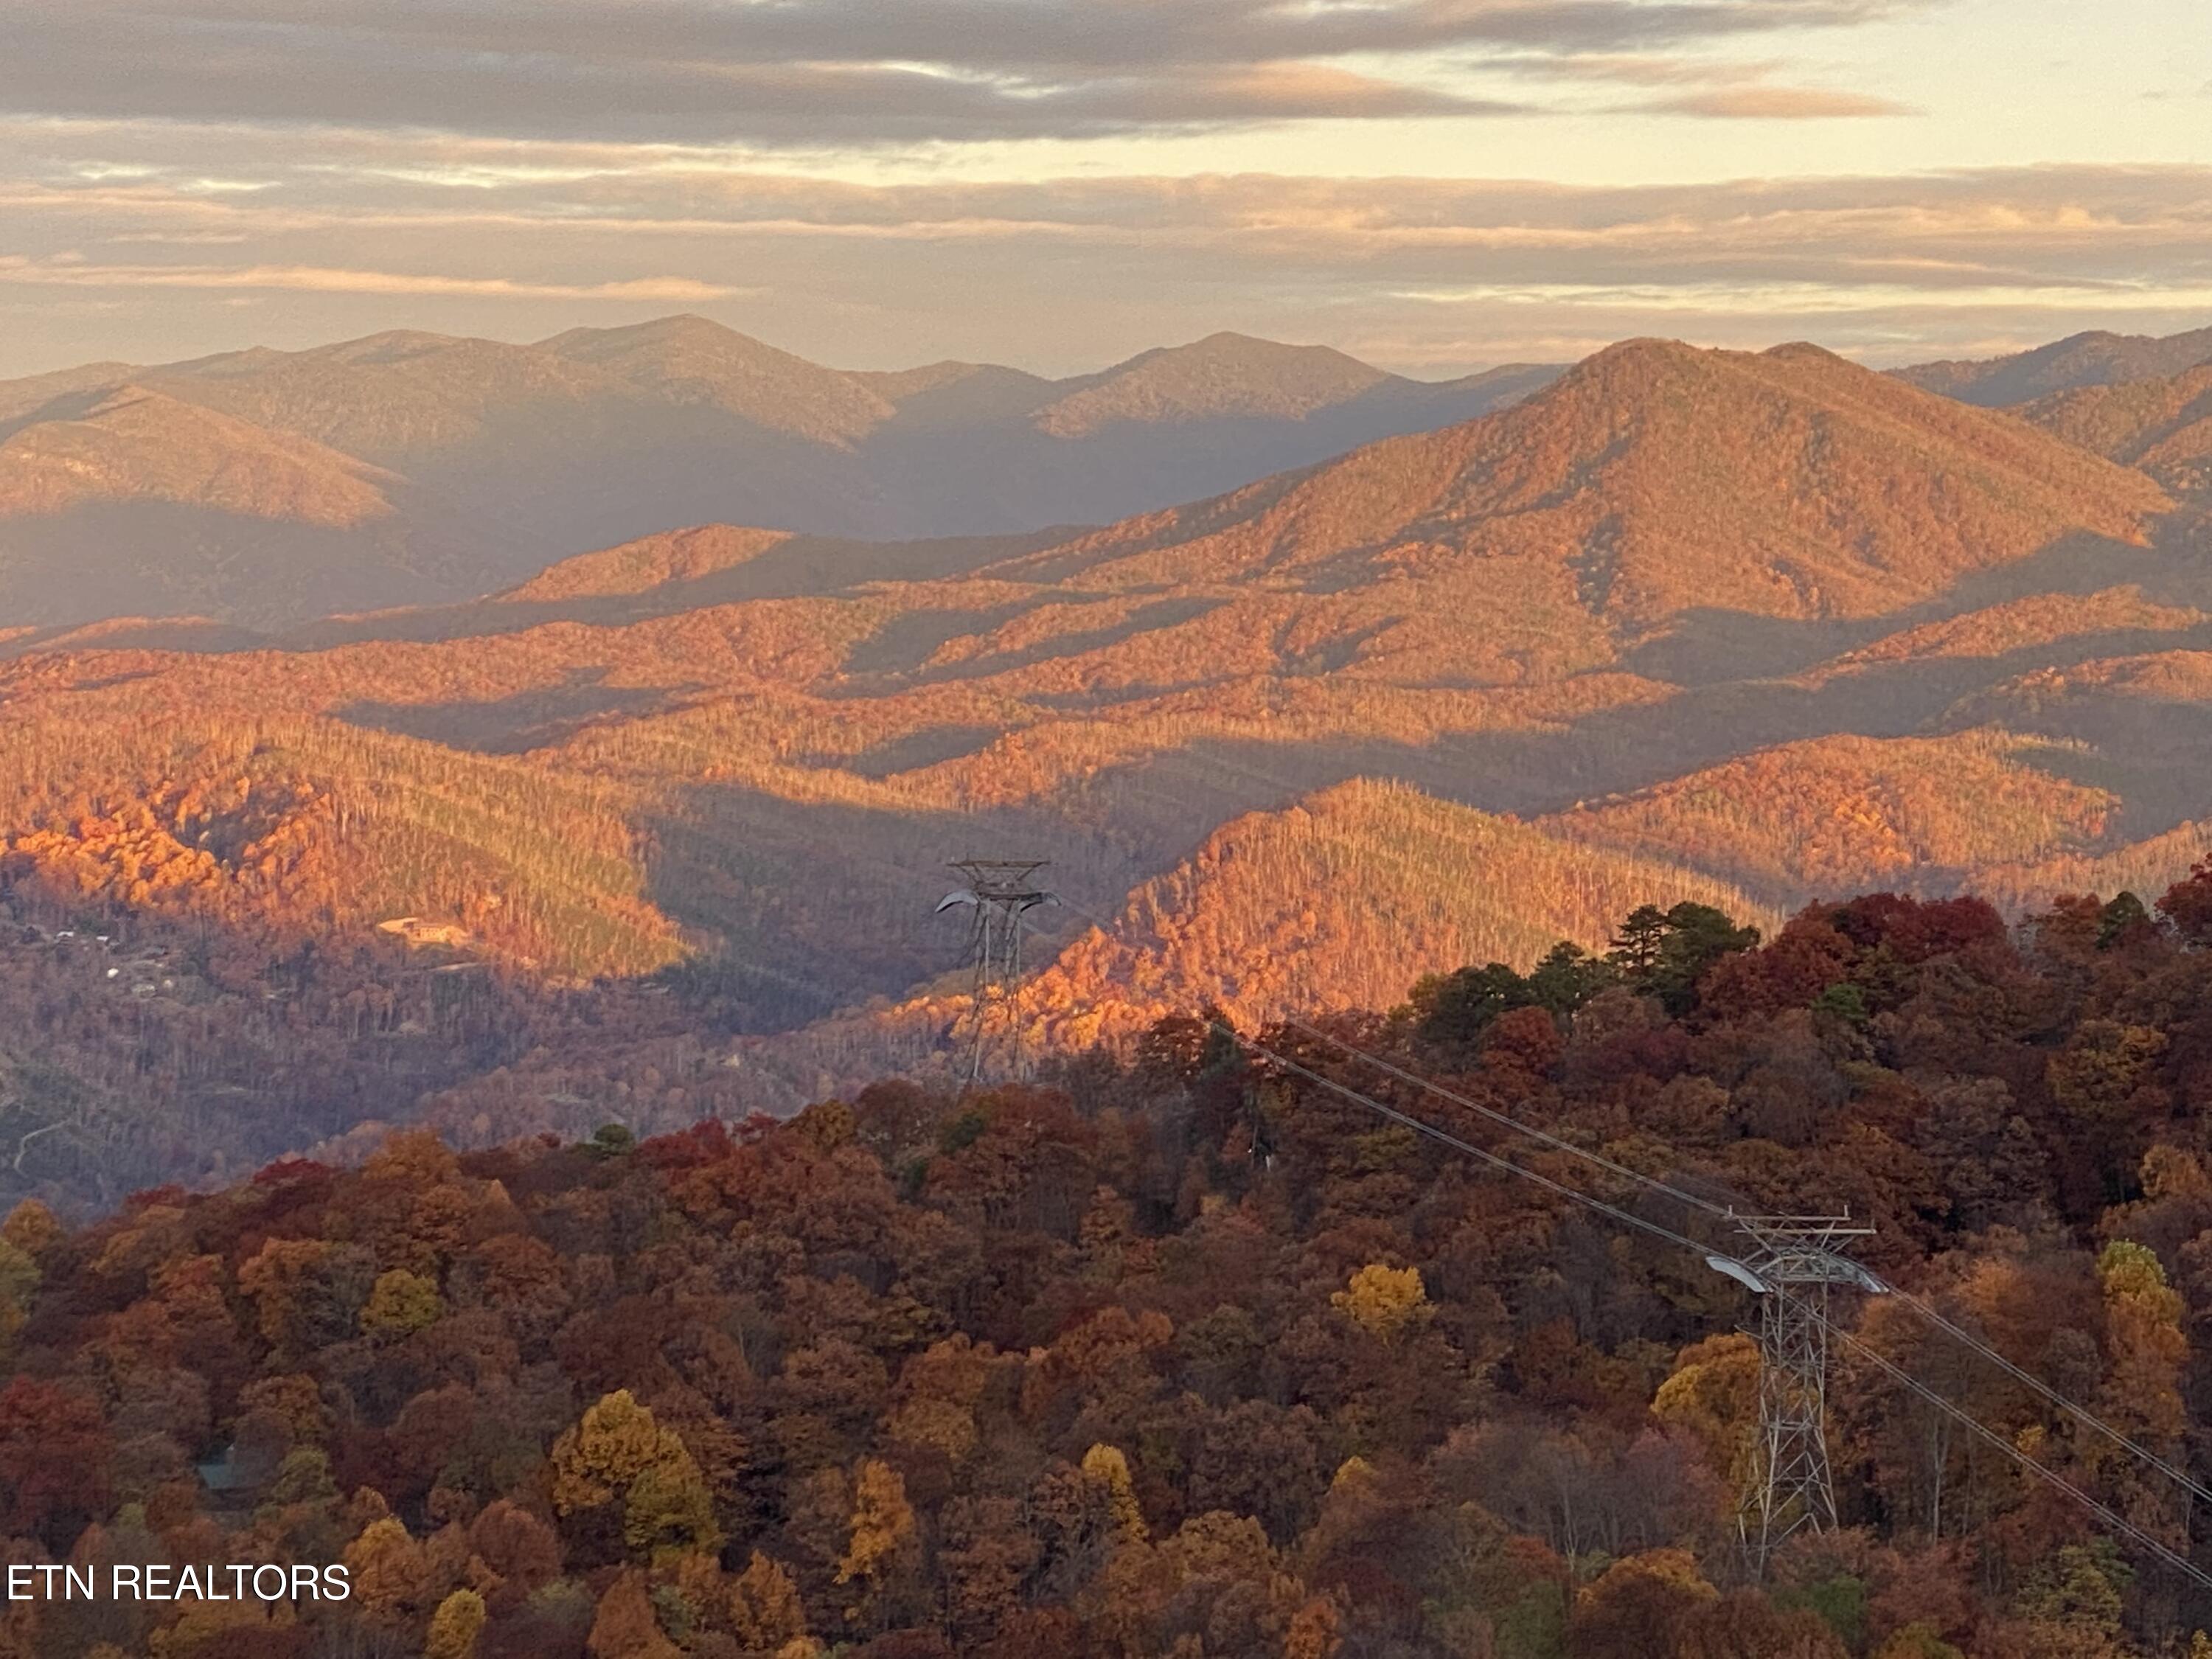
(1749, 628)
(130, 500)
(135, 444)
(2096, 358)
(2161, 426)
(690, 359)
(597, 436)
(1221, 374)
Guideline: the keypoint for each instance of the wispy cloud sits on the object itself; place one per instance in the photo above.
(1761, 103)
(73, 273)
(813, 72)
(1420, 273)
(1719, 88)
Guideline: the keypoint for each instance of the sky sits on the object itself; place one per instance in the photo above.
(1434, 185)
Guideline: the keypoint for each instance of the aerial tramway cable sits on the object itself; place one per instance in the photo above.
(2020, 1374)
(1588, 1200)
(1506, 1119)
(2104, 1513)
(2111, 1517)
(2081, 1413)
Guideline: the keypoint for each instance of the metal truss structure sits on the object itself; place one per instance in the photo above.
(1793, 1263)
(1000, 893)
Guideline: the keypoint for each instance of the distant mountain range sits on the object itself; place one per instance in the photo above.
(2133, 398)
(267, 487)
(1744, 628)
(2094, 359)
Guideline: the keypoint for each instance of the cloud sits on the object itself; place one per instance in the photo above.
(2138, 228)
(813, 72)
(1759, 103)
(1644, 70)
(73, 273)
(1725, 88)
(355, 230)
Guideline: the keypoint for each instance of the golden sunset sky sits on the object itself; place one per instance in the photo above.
(1432, 184)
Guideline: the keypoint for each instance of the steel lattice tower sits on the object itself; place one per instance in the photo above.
(1001, 891)
(1793, 1264)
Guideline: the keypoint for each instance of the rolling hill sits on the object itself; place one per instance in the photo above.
(1849, 814)
(1341, 900)
(1748, 627)
(2098, 358)
(126, 500)
(597, 436)
(2163, 427)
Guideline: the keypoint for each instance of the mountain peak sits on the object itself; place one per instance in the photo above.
(392, 345)
(683, 327)
(697, 361)
(1248, 351)
(133, 443)
(2094, 357)
(1224, 376)
(1229, 340)
(1653, 481)
(1804, 351)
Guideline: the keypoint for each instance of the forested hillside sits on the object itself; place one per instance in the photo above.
(1185, 1353)
(269, 487)
(2096, 358)
(1741, 629)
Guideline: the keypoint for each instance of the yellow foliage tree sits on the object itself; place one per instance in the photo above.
(1385, 1302)
(2143, 1331)
(401, 1303)
(1713, 1393)
(455, 1626)
(618, 1450)
(386, 1569)
(415, 1155)
(882, 1523)
(611, 1446)
(1105, 1467)
(32, 1228)
(766, 1614)
(668, 1509)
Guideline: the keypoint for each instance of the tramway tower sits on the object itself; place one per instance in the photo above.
(1793, 1263)
(1000, 893)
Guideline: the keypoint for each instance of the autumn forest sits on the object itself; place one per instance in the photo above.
(1185, 1351)
(491, 1097)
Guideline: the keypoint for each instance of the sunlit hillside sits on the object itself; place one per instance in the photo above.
(1849, 813)
(524, 455)
(1331, 903)
(2162, 426)
(1741, 629)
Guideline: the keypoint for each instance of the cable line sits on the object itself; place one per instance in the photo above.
(2081, 1413)
(2104, 1513)
(1504, 1120)
(1452, 1141)
(2028, 1379)
(1507, 1120)
(2111, 1517)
